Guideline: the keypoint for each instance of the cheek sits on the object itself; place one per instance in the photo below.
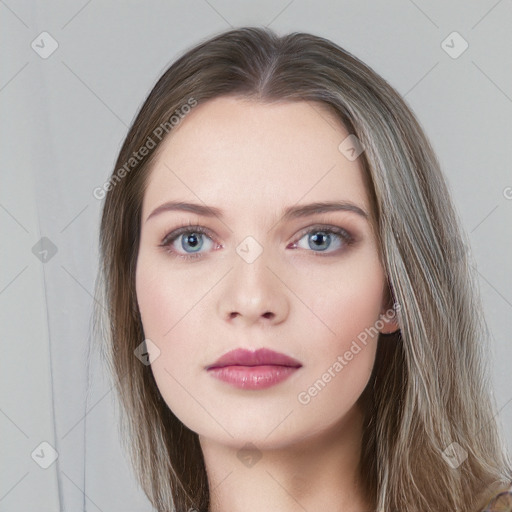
(344, 308)
(165, 297)
(169, 305)
(155, 302)
(343, 302)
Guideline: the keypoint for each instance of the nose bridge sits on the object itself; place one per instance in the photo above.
(251, 272)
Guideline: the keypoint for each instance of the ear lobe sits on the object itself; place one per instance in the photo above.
(388, 320)
(389, 323)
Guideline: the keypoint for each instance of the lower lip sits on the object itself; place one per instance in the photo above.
(252, 377)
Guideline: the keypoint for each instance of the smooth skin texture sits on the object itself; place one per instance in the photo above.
(252, 160)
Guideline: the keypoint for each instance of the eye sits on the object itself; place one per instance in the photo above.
(194, 240)
(320, 239)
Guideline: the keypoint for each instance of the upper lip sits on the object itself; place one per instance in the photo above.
(244, 357)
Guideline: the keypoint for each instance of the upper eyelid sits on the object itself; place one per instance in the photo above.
(175, 233)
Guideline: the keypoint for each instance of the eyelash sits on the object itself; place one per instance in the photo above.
(169, 239)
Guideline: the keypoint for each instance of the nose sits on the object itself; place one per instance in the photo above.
(254, 292)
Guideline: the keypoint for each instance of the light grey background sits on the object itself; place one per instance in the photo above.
(63, 120)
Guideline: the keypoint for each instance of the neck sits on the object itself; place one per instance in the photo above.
(320, 472)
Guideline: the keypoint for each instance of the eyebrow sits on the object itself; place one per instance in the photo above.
(290, 213)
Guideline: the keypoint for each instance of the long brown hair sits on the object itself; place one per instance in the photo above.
(430, 388)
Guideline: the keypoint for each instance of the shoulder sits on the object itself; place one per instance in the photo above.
(501, 501)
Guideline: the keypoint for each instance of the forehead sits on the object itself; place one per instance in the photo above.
(243, 155)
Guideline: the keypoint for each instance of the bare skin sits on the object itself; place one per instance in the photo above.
(253, 160)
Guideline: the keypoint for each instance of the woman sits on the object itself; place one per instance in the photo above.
(256, 372)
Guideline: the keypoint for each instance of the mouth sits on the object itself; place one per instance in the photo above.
(261, 369)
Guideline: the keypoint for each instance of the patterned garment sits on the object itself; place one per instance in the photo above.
(502, 502)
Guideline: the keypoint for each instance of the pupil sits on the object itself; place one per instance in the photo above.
(192, 240)
(316, 238)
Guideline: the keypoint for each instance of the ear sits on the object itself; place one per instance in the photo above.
(388, 317)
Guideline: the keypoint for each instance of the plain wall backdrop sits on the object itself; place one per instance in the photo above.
(75, 73)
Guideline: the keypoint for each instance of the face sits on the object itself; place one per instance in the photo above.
(309, 286)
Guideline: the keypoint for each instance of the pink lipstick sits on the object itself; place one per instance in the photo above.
(253, 370)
